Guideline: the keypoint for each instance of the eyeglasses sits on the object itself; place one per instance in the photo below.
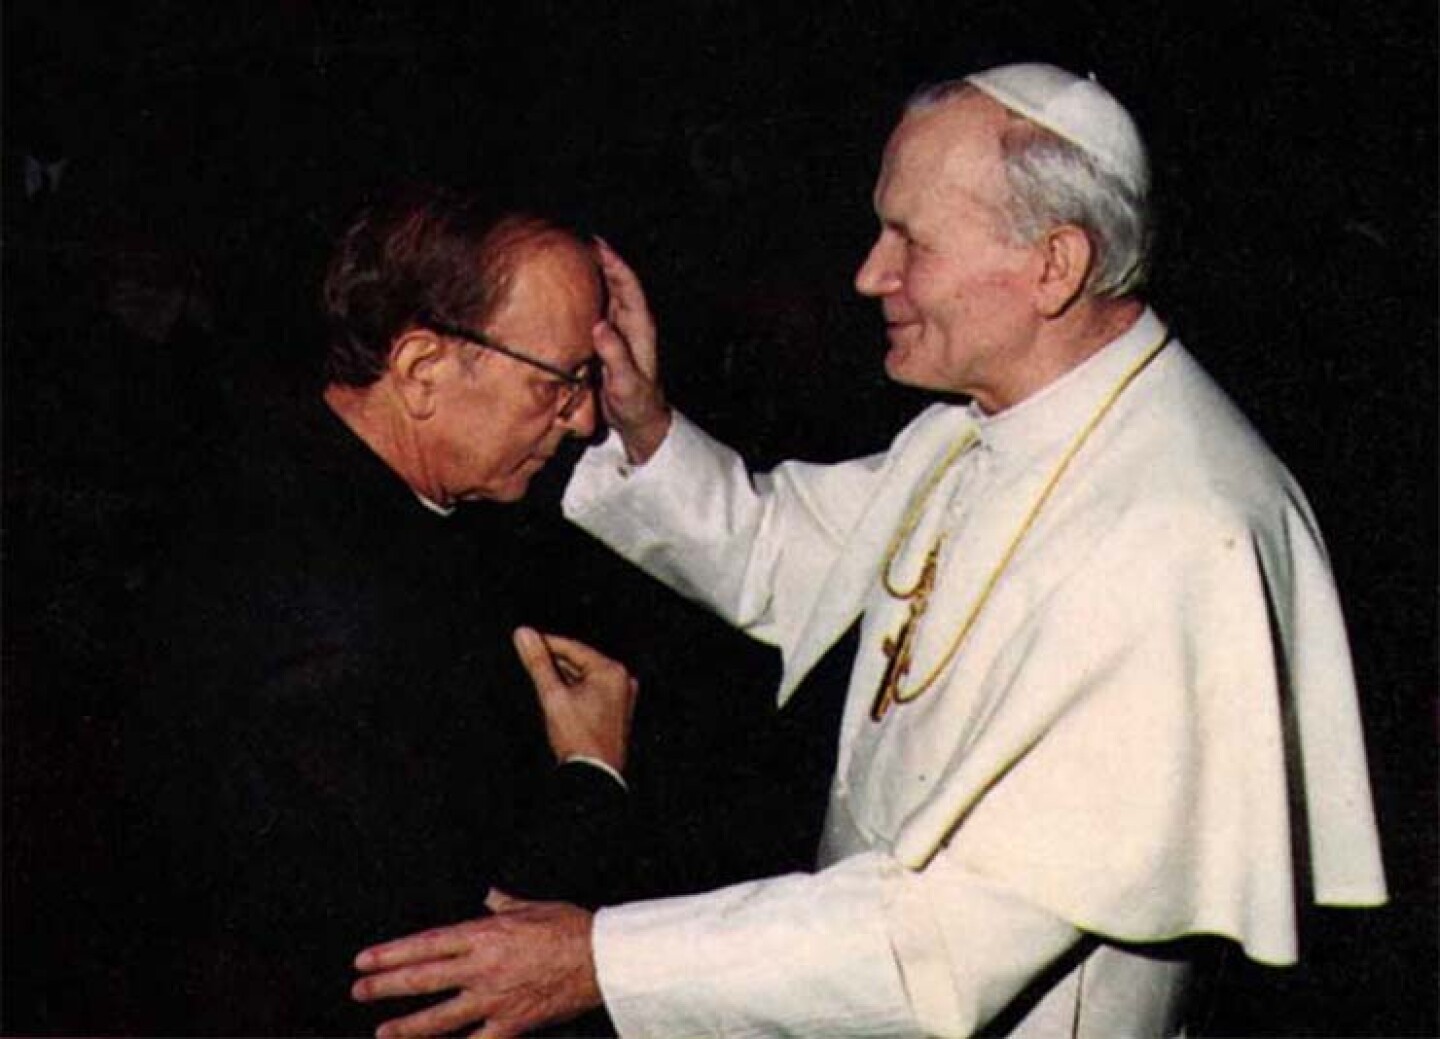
(577, 383)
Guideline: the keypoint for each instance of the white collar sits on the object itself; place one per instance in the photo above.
(1057, 410)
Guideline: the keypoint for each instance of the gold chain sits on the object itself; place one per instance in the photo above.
(912, 517)
(890, 688)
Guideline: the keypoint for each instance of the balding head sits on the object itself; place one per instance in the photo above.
(422, 252)
(1071, 155)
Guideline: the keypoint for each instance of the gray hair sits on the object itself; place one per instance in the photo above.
(1052, 182)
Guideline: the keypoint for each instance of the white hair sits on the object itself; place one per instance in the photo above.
(1053, 182)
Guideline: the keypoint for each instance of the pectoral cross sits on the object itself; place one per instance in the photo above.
(898, 649)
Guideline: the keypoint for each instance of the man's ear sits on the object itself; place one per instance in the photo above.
(1067, 255)
(417, 361)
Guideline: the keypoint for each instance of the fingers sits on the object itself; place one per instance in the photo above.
(574, 652)
(518, 970)
(622, 281)
(628, 310)
(614, 351)
(417, 948)
(569, 660)
(631, 397)
(555, 662)
(421, 980)
(440, 1019)
(608, 256)
(498, 1030)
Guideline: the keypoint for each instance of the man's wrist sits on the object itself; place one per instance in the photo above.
(644, 439)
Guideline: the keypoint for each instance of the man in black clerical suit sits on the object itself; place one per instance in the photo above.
(337, 736)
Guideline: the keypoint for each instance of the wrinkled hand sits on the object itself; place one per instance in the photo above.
(632, 398)
(588, 699)
(528, 965)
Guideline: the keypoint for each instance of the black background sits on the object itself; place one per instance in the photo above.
(728, 150)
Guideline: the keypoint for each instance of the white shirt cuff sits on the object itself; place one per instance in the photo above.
(604, 766)
(804, 954)
(605, 466)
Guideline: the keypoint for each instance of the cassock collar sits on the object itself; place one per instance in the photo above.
(1039, 422)
(360, 467)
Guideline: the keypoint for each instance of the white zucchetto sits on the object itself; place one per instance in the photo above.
(1079, 110)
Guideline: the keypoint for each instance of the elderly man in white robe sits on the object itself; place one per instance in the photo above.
(1102, 699)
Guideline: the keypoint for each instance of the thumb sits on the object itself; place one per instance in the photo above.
(498, 901)
(535, 655)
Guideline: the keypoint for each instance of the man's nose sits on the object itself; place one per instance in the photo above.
(879, 275)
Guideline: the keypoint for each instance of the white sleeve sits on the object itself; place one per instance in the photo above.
(865, 948)
(751, 549)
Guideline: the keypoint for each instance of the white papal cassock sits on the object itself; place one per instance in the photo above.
(1153, 711)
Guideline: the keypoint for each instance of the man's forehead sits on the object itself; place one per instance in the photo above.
(551, 249)
(559, 266)
(552, 301)
(966, 127)
(948, 149)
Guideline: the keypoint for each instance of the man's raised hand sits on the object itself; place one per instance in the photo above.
(631, 396)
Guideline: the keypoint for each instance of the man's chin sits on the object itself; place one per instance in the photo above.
(898, 366)
(506, 493)
(901, 368)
